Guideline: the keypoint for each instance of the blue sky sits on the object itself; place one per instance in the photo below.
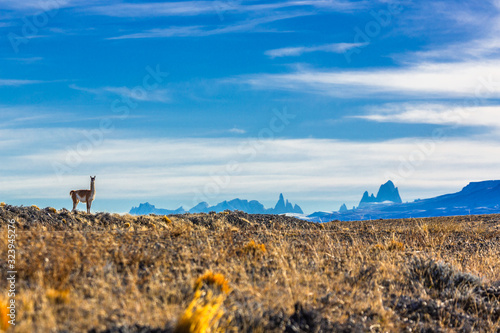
(180, 102)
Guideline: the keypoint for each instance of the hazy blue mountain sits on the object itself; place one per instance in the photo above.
(386, 192)
(202, 207)
(297, 209)
(475, 198)
(280, 206)
(147, 208)
(251, 207)
(343, 208)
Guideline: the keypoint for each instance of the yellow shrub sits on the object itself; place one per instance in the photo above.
(166, 219)
(35, 206)
(394, 245)
(202, 315)
(58, 296)
(4, 311)
(377, 248)
(52, 210)
(253, 248)
(2, 204)
(213, 281)
(127, 225)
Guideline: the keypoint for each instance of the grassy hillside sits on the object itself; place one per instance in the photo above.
(250, 273)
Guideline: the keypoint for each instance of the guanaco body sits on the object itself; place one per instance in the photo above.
(86, 196)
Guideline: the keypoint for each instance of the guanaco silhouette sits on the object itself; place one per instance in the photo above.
(84, 195)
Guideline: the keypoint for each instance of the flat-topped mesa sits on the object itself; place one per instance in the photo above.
(387, 192)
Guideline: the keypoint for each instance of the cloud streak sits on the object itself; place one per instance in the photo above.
(251, 25)
(143, 95)
(299, 50)
(17, 83)
(195, 8)
(439, 114)
(480, 79)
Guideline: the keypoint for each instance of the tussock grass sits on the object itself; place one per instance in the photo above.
(236, 272)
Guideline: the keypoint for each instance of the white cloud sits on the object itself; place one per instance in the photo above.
(17, 83)
(250, 25)
(37, 5)
(236, 130)
(480, 79)
(194, 8)
(477, 26)
(26, 60)
(438, 114)
(138, 93)
(299, 50)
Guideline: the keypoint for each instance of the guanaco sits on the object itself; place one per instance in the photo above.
(84, 195)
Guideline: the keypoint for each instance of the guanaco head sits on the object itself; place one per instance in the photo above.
(92, 179)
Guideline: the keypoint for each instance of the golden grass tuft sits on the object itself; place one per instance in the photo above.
(127, 225)
(52, 210)
(253, 248)
(202, 315)
(35, 206)
(214, 281)
(167, 219)
(394, 245)
(377, 248)
(2, 204)
(58, 296)
(4, 311)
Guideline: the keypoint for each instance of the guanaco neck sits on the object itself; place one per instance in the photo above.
(92, 188)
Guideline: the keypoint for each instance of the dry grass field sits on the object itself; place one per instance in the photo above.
(234, 272)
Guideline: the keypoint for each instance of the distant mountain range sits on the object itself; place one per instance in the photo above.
(251, 207)
(475, 198)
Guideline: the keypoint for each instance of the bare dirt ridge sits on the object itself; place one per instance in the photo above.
(104, 272)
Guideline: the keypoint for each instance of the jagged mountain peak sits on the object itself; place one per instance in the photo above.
(386, 192)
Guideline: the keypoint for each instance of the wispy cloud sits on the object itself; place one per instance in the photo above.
(17, 83)
(156, 95)
(26, 60)
(251, 25)
(194, 8)
(236, 130)
(480, 79)
(299, 50)
(152, 9)
(476, 26)
(38, 5)
(438, 114)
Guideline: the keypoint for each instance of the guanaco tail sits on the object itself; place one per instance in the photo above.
(84, 195)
